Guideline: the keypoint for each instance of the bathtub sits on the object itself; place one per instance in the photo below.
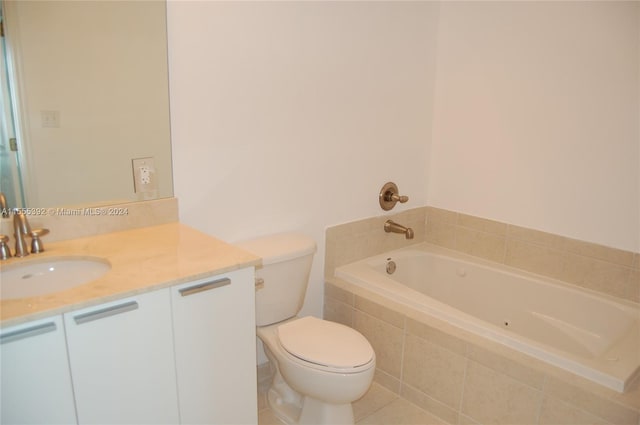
(591, 335)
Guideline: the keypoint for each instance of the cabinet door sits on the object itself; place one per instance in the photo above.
(215, 343)
(35, 378)
(122, 363)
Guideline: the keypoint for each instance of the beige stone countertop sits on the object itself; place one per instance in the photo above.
(141, 260)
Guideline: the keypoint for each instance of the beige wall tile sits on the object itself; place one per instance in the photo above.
(339, 294)
(554, 412)
(482, 224)
(357, 247)
(534, 258)
(600, 252)
(441, 227)
(630, 398)
(465, 420)
(480, 244)
(597, 275)
(493, 398)
(607, 409)
(441, 216)
(436, 336)
(337, 311)
(442, 234)
(387, 341)
(506, 366)
(376, 310)
(537, 237)
(437, 372)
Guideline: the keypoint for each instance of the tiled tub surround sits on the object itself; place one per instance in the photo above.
(577, 330)
(611, 271)
(460, 377)
(466, 379)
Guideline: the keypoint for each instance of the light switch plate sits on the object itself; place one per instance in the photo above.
(50, 119)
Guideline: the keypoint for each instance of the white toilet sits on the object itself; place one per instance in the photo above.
(320, 367)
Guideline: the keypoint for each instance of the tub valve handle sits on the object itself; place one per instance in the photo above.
(389, 196)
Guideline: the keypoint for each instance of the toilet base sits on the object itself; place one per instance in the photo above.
(294, 409)
(284, 402)
(317, 412)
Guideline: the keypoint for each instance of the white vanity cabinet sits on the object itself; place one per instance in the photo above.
(122, 361)
(35, 379)
(215, 348)
(182, 354)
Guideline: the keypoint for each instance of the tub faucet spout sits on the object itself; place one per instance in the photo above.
(392, 226)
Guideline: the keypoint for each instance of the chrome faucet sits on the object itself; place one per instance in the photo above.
(21, 230)
(392, 226)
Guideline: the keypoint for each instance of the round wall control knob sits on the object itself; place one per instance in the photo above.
(389, 196)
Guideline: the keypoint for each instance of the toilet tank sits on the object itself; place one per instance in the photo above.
(286, 265)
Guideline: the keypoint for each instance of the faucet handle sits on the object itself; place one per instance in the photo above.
(399, 198)
(36, 243)
(389, 196)
(5, 251)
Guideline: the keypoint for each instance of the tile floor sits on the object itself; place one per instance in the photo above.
(379, 406)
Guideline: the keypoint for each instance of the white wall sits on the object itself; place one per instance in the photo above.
(537, 116)
(292, 115)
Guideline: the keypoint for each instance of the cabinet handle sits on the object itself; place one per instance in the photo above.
(105, 312)
(204, 287)
(28, 332)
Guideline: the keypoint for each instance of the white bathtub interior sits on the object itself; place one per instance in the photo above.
(594, 336)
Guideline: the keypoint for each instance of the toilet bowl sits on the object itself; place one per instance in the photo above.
(319, 367)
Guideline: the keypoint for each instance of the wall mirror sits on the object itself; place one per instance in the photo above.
(84, 93)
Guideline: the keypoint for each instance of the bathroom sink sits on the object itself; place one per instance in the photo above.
(48, 275)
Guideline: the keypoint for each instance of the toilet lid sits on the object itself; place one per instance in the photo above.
(325, 343)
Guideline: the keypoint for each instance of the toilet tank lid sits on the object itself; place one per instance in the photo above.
(279, 247)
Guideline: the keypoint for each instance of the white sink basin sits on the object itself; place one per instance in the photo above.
(48, 275)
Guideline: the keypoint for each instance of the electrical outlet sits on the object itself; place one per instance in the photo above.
(144, 175)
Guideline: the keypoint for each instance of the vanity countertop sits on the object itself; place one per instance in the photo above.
(141, 260)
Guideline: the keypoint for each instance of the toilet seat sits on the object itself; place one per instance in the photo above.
(325, 345)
